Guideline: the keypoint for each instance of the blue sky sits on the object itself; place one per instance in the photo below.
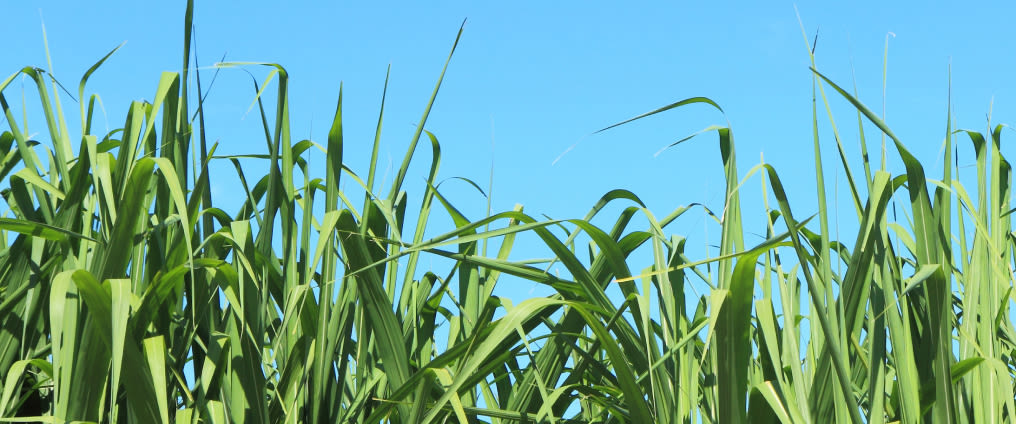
(529, 80)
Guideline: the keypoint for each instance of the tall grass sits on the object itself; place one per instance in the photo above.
(127, 295)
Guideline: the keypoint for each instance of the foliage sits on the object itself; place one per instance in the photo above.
(126, 295)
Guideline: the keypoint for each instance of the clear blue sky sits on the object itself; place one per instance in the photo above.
(531, 79)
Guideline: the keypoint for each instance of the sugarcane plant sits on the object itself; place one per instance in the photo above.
(128, 295)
